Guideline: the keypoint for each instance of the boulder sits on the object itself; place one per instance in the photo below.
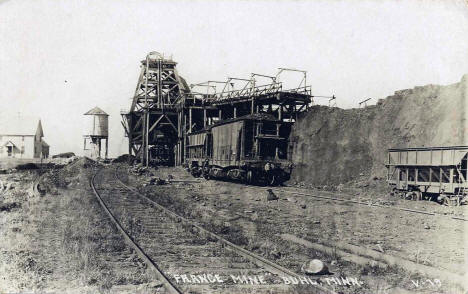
(314, 267)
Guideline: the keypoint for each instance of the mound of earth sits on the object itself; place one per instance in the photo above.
(333, 145)
(64, 155)
(69, 175)
(124, 158)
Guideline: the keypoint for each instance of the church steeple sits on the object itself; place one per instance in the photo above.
(39, 131)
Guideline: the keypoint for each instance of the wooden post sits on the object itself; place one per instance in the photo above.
(99, 148)
(147, 137)
(143, 139)
(107, 146)
(190, 120)
(259, 127)
(277, 133)
(130, 136)
(204, 117)
(242, 151)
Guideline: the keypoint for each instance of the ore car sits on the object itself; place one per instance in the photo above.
(252, 149)
(439, 173)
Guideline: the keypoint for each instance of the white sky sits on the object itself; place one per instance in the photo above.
(353, 49)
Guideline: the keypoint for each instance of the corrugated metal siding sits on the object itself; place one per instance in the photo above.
(225, 143)
(197, 139)
(196, 144)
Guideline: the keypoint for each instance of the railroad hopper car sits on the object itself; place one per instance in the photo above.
(437, 173)
(251, 149)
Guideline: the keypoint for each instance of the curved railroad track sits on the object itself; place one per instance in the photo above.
(173, 246)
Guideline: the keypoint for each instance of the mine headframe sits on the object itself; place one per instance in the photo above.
(152, 124)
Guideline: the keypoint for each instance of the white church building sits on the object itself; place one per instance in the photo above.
(22, 138)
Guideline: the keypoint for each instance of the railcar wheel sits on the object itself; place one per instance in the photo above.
(452, 201)
(446, 201)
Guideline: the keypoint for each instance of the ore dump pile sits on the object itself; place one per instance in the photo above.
(333, 145)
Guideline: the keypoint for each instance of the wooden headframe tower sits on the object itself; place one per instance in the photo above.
(152, 123)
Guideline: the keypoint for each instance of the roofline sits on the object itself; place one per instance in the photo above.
(461, 147)
(98, 109)
(17, 135)
(103, 114)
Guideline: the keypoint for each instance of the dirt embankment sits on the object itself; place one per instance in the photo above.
(333, 145)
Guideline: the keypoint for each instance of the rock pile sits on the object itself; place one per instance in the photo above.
(333, 145)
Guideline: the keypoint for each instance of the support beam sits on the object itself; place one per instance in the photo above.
(107, 147)
(190, 120)
(155, 124)
(204, 118)
(171, 123)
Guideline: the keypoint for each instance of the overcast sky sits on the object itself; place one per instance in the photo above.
(59, 59)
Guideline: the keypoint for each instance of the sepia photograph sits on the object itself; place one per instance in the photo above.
(234, 146)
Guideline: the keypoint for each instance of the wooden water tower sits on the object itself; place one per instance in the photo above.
(96, 129)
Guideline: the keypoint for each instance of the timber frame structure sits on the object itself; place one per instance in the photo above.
(165, 109)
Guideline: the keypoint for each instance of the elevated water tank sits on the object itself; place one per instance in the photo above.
(96, 123)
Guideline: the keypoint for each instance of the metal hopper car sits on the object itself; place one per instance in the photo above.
(438, 173)
(252, 149)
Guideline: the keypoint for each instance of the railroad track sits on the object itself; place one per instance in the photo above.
(182, 255)
(414, 211)
(304, 192)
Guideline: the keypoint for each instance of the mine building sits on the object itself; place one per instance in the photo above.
(22, 138)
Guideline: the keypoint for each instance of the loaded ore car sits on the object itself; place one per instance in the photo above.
(252, 149)
(438, 173)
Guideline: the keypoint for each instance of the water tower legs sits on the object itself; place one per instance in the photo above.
(94, 146)
(107, 147)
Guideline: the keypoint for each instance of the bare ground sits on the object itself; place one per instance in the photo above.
(434, 241)
(62, 241)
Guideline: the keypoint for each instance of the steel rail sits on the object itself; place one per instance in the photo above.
(377, 205)
(258, 260)
(170, 287)
(284, 190)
